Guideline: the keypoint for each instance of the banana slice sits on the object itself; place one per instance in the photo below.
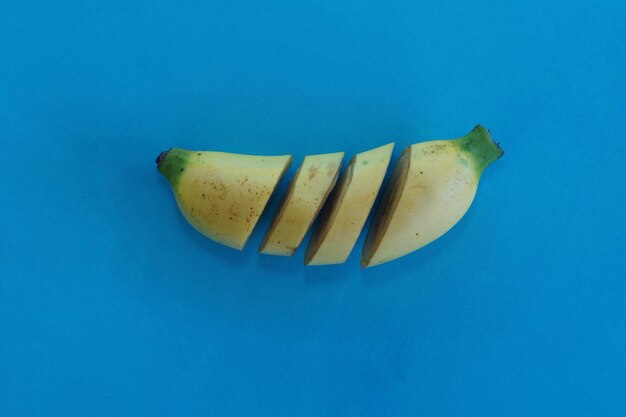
(306, 195)
(221, 194)
(342, 220)
(432, 186)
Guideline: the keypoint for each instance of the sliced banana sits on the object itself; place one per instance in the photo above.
(308, 191)
(343, 219)
(432, 186)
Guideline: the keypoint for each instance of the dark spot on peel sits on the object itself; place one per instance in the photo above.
(313, 170)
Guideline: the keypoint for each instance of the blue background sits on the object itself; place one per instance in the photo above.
(111, 305)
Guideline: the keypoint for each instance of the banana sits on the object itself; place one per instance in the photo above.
(314, 180)
(221, 194)
(432, 186)
(340, 225)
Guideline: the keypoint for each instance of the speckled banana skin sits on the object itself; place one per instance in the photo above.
(222, 195)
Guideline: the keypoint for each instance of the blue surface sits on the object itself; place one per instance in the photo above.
(111, 305)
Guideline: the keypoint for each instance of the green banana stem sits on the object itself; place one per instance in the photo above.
(171, 163)
(480, 146)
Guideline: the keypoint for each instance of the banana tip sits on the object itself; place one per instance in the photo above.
(161, 156)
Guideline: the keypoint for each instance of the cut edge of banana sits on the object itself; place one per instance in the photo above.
(432, 185)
